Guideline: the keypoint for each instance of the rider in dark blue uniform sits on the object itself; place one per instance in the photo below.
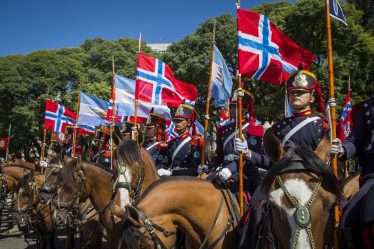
(226, 154)
(155, 137)
(357, 222)
(303, 128)
(183, 153)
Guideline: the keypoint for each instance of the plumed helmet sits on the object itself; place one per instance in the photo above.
(155, 119)
(185, 111)
(127, 127)
(301, 80)
(304, 80)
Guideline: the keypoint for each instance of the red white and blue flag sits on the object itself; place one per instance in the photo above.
(57, 117)
(345, 123)
(155, 83)
(265, 53)
(223, 118)
(123, 97)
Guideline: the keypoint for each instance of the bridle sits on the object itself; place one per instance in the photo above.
(150, 227)
(133, 188)
(302, 214)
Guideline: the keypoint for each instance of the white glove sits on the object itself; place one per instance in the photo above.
(241, 146)
(336, 147)
(202, 169)
(225, 173)
(43, 164)
(164, 172)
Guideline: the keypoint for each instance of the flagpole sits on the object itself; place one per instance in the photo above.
(113, 113)
(332, 104)
(76, 125)
(7, 149)
(135, 137)
(203, 151)
(346, 162)
(240, 127)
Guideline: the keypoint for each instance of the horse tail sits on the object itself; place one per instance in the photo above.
(130, 235)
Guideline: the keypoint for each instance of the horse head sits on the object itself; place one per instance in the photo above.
(134, 170)
(302, 191)
(49, 186)
(138, 231)
(23, 206)
(70, 191)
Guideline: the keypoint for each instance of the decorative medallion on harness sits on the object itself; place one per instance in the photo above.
(302, 216)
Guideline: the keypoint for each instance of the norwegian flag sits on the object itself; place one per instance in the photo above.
(223, 118)
(345, 123)
(265, 53)
(110, 116)
(155, 83)
(57, 117)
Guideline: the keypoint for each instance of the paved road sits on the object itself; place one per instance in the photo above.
(16, 240)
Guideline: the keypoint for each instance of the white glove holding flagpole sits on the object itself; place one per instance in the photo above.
(164, 172)
(241, 146)
(43, 164)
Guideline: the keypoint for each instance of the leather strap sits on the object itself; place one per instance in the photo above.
(298, 127)
(180, 146)
(228, 139)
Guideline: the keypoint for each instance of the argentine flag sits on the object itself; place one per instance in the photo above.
(221, 84)
(92, 112)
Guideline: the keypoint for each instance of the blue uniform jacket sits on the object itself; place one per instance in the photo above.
(185, 161)
(155, 151)
(310, 135)
(360, 142)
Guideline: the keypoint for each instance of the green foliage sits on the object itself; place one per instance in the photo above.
(26, 81)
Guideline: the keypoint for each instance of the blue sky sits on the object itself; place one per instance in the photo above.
(28, 25)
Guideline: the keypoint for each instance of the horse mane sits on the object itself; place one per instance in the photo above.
(127, 153)
(312, 163)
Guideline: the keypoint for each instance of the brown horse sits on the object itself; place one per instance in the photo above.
(10, 176)
(208, 216)
(80, 181)
(88, 220)
(302, 191)
(30, 213)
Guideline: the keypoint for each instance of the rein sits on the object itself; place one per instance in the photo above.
(150, 227)
(302, 215)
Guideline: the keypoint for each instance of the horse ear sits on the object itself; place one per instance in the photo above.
(272, 146)
(323, 149)
(133, 215)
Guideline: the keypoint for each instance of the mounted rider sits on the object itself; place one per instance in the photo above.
(226, 155)
(304, 127)
(357, 222)
(183, 153)
(154, 136)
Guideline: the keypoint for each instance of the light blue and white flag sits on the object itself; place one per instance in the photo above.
(124, 101)
(336, 11)
(92, 112)
(221, 84)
